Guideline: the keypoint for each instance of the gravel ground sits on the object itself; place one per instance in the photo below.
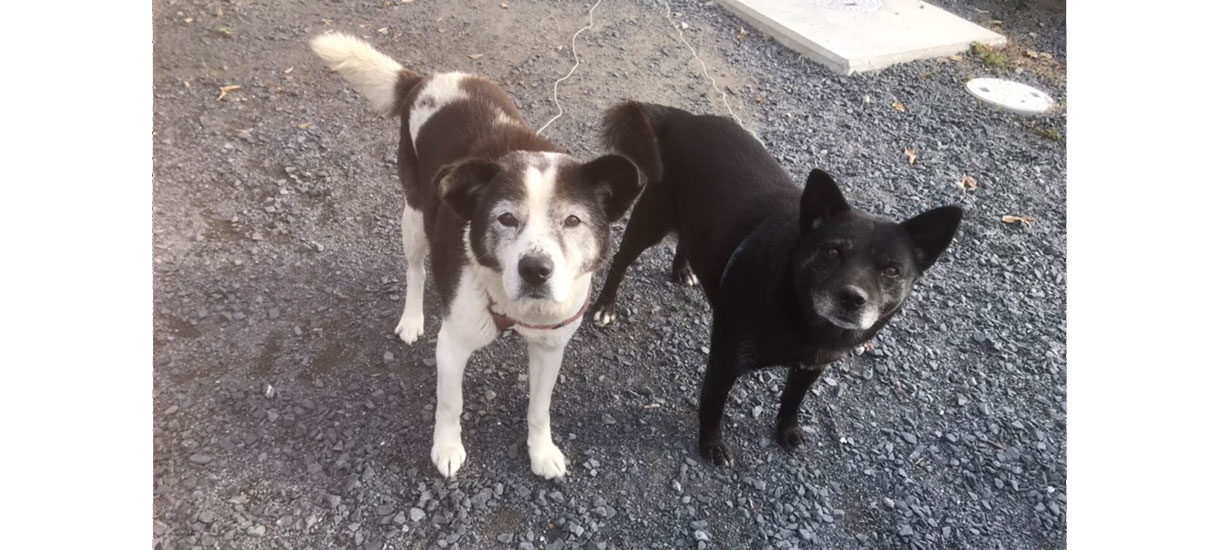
(287, 415)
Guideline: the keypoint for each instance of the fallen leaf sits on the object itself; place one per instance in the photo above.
(289, 70)
(504, 5)
(224, 31)
(1046, 55)
(219, 12)
(224, 90)
(1031, 53)
(968, 183)
(910, 155)
(1007, 218)
(474, 55)
(997, 22)
(899, 106)
(186, 83)
(328, 21)
(955, 57)
(741, 34)
(188, 20)
(384, 30)
(304, 125)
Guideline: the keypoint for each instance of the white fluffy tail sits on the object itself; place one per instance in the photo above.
(371, 72)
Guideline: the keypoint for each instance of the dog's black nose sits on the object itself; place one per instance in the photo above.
(851, 298)
(535, 269)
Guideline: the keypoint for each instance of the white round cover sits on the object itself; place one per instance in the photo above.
(1010, 95)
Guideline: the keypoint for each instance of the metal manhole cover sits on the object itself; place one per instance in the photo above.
(1010, 95)
(849, 5)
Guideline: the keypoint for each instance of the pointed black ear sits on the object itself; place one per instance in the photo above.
(821, 200)
(462, 184)
(932, 232)
(616, 181)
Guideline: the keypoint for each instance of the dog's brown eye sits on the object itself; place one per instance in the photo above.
(507, 220)
(571, 221)
(890, 271)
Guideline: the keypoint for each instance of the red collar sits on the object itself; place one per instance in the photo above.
(504, 322)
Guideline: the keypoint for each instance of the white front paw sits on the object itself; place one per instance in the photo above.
(448, 458)
(410, 327)
(604, 317)
(547, 460)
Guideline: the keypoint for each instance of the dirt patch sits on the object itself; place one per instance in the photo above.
(180, 328)
(1019, 56)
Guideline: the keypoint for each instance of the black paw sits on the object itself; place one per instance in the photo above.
(684, 276)
(604, 314)
(716, 452)
(790, 438)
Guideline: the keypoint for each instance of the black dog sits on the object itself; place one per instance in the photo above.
(794, 279)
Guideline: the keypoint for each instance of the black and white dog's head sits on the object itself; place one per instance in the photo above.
(540, 220)
(853, 268)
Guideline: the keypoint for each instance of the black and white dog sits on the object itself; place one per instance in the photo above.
(795, 279)
(515, 228)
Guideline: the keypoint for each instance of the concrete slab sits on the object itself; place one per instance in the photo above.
(862, 35)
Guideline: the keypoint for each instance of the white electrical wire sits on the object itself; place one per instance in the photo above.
(723, 96)
(555, 88)
(681, 36)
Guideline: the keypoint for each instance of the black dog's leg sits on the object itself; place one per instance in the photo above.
(716, 385)
(787, 429)
(723, 368)
(646, 228)
(681, 272)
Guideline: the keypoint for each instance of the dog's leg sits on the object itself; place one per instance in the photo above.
(453, 349)
(646, 228)
(681, 272)
(546, 459)
(415, 247)
(724, 365)
(787, 429)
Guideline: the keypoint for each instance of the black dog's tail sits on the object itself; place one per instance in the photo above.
(632, 129)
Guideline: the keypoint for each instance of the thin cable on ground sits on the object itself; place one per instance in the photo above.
(555, 88)
(723, 96)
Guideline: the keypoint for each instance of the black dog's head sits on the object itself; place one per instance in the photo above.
(853, 268)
